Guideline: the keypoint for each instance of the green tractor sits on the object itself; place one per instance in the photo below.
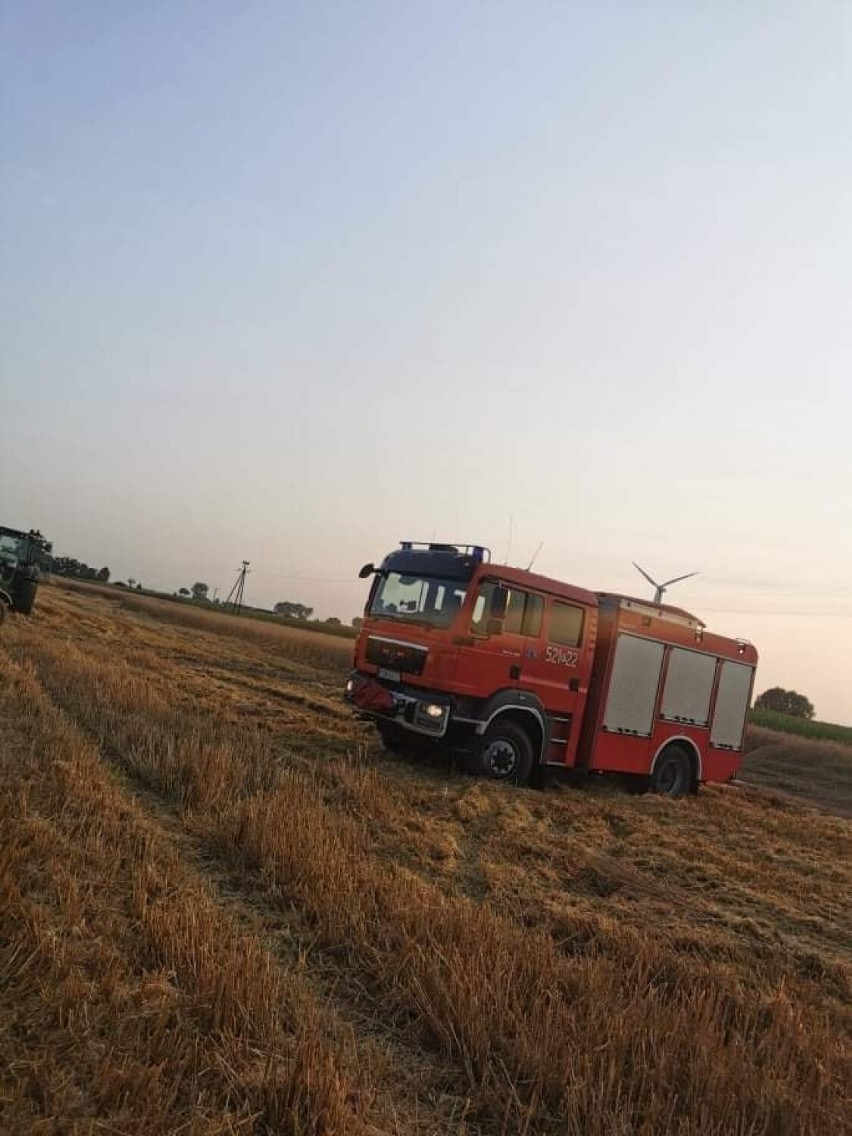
(22, 558)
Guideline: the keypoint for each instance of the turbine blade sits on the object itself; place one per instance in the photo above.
(677, 579)
(645, 574)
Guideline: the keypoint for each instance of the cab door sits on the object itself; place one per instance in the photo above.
(492, 649)
(557, 667)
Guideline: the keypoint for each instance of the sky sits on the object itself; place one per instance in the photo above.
(291, 282)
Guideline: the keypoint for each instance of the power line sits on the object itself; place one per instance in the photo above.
(312, 579)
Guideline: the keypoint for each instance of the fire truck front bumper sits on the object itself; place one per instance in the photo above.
(419, 711)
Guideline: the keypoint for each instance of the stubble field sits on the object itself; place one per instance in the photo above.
(224, 910)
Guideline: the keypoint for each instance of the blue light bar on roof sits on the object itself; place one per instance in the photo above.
(477, 552)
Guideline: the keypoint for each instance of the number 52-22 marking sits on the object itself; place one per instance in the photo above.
(561, 656)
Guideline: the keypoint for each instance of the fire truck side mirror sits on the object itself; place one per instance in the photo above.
(366, 571)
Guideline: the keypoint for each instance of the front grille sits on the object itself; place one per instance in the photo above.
(396, 656)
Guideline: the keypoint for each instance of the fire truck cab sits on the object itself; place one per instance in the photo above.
(521, 672)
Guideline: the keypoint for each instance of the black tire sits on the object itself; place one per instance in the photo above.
(393, 738)
(672, 776)
(506, 753)
(23, 597)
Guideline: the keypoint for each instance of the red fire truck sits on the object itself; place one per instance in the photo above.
(524, 673)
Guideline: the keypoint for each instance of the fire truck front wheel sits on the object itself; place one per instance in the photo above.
(672, 774)
(506, 753)
(393, 737)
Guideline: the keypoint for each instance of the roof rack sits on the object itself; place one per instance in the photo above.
(476, 551)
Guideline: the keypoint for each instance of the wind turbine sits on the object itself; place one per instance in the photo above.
(660, 588)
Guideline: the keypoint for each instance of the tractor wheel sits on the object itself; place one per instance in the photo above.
(23, 596)
(672, 774)
(506, 753)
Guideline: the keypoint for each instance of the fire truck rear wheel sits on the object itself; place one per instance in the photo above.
(672, 775)
(506, 753)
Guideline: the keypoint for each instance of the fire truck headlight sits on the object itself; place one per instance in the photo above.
(431, 714)
(350, 686)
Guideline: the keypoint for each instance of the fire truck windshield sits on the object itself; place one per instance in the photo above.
(420, 599)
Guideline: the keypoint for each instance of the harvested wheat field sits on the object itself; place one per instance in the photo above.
(224, 910)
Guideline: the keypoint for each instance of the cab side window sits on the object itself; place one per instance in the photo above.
(566, 624)
(524, 612)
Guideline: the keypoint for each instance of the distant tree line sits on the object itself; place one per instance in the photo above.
(200, 592)
(292, 610)
(287, 609)
(68, 566)
(785, 702)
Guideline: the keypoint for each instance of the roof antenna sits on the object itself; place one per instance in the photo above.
(660, 588)
(534, 555)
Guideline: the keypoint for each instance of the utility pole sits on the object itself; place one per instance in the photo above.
(236, 593)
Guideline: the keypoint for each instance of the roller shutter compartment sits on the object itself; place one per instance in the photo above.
(633, 686)
(731, 707)
(689, 685)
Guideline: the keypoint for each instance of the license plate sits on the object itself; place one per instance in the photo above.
(391, 676)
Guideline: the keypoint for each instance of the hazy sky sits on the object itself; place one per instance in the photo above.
(290, 282)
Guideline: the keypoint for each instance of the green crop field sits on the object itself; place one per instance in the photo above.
(803, 727)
